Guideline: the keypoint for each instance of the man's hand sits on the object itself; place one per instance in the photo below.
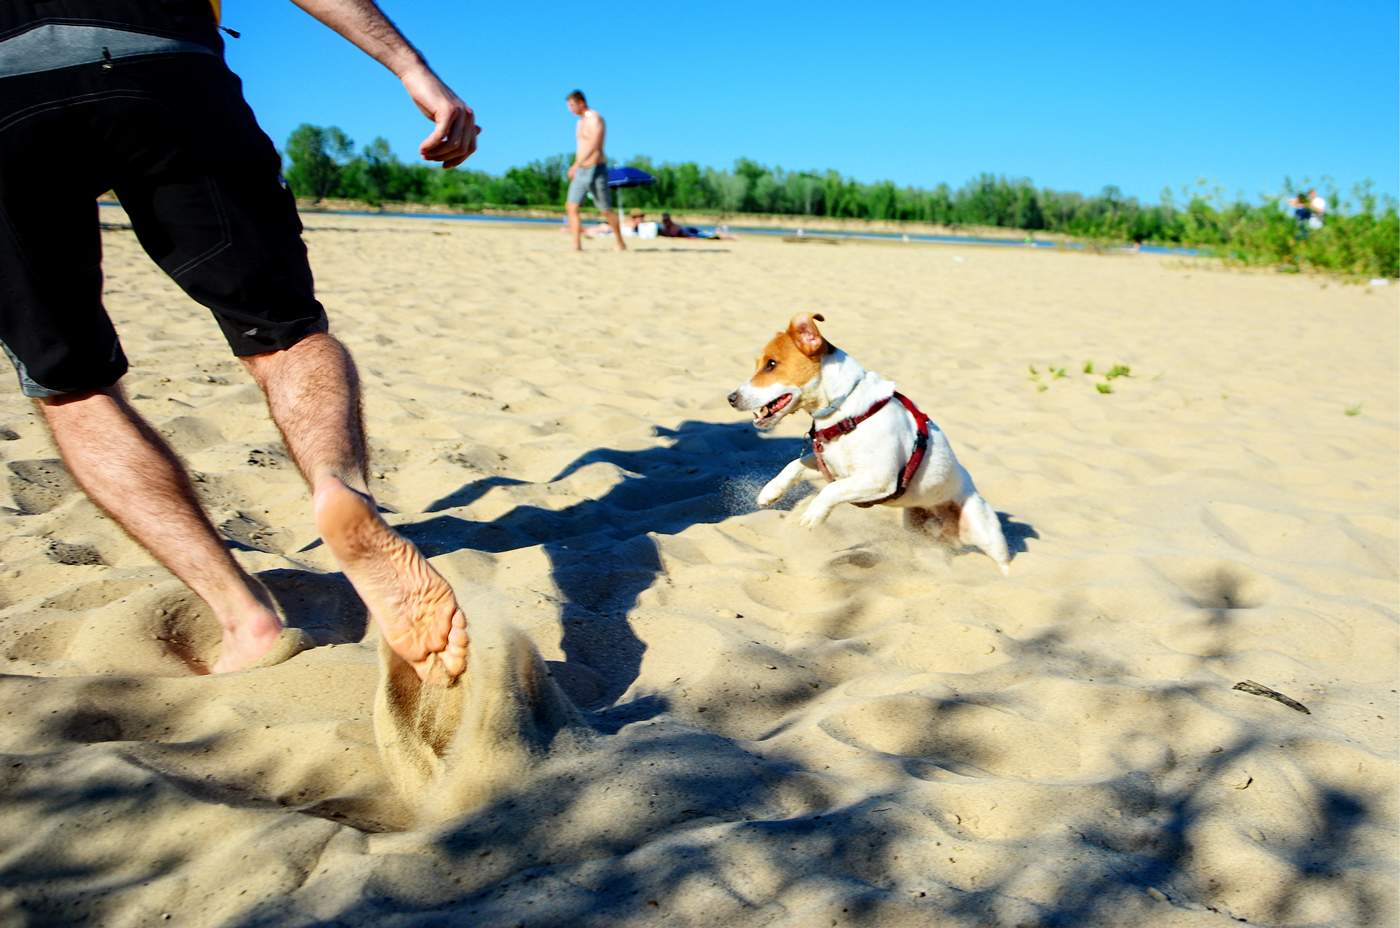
(573, 169)
(453, 139)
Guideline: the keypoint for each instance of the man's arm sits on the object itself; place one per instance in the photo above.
(453, 138)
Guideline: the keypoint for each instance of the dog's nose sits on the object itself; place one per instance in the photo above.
(734, 399)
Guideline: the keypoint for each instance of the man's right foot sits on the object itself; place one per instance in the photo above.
(416, 610)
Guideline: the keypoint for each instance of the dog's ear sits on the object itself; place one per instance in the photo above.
(803, 332)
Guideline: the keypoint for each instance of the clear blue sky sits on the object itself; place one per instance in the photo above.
(1073, 96)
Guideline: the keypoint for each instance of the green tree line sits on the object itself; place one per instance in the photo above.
(1361, 236)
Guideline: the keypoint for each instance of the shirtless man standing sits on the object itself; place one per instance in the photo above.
(589, 172)
(134, 96)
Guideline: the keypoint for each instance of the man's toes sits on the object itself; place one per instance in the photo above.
(454, 656)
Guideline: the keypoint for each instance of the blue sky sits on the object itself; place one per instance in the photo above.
(1073, 96)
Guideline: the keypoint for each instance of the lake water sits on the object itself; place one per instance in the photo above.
(921, 237)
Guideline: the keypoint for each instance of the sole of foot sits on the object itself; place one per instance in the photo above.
(415, 608)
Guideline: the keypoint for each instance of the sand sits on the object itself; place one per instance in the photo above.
(684, 711)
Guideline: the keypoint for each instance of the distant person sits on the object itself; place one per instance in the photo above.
(634, 226)
(589, 172)
(1318, 204)
(1308, 211)
(669, 229)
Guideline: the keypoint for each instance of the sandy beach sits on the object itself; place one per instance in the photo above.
(745, 722)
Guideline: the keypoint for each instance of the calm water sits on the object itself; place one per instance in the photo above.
(765, 230)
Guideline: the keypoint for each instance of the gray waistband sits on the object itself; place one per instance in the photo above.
(63, 45)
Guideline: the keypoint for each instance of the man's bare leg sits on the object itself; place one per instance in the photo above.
(616, 225)
(313, 393)
(575, 225)
(129, 471)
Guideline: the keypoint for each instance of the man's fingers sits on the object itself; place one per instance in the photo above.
(459, 151)
(470, 150)
(439, 142)
(458, 141)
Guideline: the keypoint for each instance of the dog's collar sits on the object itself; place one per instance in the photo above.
(847, 425)
(830, 408)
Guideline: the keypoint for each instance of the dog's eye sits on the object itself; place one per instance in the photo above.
(770, 364)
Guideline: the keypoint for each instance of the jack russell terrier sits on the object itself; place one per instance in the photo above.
(871, 442)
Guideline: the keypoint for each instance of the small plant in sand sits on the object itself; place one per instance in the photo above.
(1061, 372)
(1354, 410)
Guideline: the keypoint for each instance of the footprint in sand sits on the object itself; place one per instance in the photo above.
(40, 485)
(74, 555)
(47, 640)
(164, 630)
(85, 596)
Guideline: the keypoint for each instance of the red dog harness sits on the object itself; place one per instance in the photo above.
(820, 439)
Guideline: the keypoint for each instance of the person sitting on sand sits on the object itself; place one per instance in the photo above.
(201, 184)
(669, 229)
(628, 229)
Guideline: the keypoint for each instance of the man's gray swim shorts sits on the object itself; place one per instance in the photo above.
(594, 180)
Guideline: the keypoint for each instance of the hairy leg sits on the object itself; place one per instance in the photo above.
(575, 225)
(616, 225)
(129, 471)
(313, 394)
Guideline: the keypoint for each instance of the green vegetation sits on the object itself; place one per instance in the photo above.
(1061, 372)
(1354, 410)
(1360, 239)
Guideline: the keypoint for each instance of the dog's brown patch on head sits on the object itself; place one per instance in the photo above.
(792, 357)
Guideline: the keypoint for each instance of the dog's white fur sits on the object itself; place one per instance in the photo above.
(865, 464)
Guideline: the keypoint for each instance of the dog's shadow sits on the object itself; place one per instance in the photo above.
(600, 551)
(1016, 533)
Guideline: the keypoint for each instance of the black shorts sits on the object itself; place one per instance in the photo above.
(200, 181)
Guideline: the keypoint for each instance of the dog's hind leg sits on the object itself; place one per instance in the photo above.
(978, 525)
(915, 519)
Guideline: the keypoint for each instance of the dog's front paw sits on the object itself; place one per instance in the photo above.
(769, 495)
(813, 517)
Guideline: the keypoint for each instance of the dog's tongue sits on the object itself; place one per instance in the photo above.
(780, 402)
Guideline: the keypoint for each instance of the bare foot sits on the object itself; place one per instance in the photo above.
(415, 608)
(247, 643)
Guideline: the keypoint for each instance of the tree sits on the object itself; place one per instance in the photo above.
(315, 156)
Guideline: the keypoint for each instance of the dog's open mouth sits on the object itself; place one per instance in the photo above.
(765, 416)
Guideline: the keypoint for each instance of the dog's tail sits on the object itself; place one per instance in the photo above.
(978, 525)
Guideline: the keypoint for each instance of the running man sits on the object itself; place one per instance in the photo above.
(135, 97)
(589, 172)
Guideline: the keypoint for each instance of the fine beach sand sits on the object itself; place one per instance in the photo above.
(683, 711)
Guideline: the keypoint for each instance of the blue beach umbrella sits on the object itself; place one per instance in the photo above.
(629, 177)
(619, 178)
